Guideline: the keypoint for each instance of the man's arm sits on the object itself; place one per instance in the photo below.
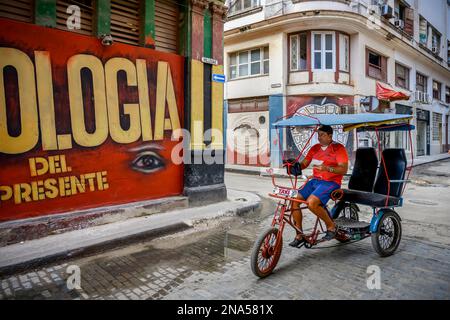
(309, 156)
(305, 163)
(341, 168)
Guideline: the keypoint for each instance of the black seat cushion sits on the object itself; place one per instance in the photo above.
(369, 198)
(364, 170)
(395, 161)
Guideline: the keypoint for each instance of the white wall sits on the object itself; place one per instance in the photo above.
(259, 85)
(435, 13)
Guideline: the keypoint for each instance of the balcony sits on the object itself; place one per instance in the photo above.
(241, 8)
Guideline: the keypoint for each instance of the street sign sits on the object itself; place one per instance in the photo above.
(218, 78)
(210, 61)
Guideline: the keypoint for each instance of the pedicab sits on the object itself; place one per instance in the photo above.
(378, 180)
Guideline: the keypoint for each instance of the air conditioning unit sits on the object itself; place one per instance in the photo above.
(386, 11)
(399, 23)
(435, 50)
(418, 96)
(422, 97)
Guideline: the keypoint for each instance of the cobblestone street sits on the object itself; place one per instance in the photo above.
(212, 260)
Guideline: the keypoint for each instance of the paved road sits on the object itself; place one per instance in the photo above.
(212, 259)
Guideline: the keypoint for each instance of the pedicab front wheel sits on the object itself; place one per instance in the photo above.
(266, 252)
(388, 234)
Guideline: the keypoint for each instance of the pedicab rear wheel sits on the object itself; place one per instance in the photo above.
(388, 234)
(266, 252)
(350, 211)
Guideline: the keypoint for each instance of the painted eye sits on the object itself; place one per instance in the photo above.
(148, 162)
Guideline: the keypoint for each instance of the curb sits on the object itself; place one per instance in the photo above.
(146, 235)
(91, 249)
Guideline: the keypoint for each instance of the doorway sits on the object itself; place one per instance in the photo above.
(421, 137)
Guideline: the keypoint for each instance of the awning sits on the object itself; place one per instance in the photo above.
(385, 93)
(349, 121)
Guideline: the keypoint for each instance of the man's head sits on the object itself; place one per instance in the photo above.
(325, 134)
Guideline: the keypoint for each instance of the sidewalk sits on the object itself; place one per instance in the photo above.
(281, 172)
(30, 254)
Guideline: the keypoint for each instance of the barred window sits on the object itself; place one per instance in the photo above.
(437, 126)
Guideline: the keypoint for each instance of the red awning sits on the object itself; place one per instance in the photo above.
(385, 93)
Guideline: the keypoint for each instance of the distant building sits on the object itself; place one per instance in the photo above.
(287, 56)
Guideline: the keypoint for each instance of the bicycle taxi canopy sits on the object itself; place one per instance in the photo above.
(349, 121)
(376, 183)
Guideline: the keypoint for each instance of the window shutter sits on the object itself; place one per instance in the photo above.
(21, 10)
(125, 21)
(409, 21)
(166, 25)
(86, 10)
(383, 68)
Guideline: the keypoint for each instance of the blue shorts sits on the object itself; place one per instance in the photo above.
(320, 188)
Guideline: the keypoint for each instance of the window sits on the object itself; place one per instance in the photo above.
(166, 25)
(447, 94)
(323, 49)
(86, 15)
(21, 10)
(437, 126)
(421, 83)
(376, 66)
(298, 52)
(237, 6)
(448, 52)
(436, 90)
(249, 63)
(344, 53)
(125, 21)
(435, 41)
(423, 31)
(401, 76)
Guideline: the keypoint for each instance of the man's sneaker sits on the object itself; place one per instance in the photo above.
(330, 235)
(296, 242)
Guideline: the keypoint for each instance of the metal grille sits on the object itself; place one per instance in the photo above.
(166, 25)
(86, 15)
(125, 21)
(21, 10)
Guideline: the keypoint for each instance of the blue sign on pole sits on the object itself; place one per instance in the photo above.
(218, 77)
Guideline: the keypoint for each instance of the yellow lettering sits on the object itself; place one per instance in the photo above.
(165, 92)
(29, 127)
(32, 165)
(5, 193)
(63, 163)
(45, 98)
(52, 190)
(144, 102)
(22, 191)
(76, 186)
(80, 134)
(118, 134)
(90, 178)
(44, 166)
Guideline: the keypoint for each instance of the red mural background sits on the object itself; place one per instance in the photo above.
(125, 183)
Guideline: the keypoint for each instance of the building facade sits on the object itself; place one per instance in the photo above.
(93, 97)
(283, 57)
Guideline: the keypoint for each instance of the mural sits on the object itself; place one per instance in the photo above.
(298, 138)
(84, 125)
(248, 138)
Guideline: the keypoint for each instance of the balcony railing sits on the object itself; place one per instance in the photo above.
(236, 7)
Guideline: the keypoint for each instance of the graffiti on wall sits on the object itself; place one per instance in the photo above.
(83, 125)
(298, 138)
(248, 138)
